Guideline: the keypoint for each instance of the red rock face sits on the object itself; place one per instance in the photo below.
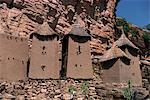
(97, 16)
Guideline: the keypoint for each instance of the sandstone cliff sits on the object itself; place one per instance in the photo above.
(22, 17)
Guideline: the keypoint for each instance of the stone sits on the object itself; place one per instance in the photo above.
(43, 90)
(140, 93)
(2, 88)
(57, 91)
(8, 96)
(43, 84)
(67, 96)
(20, 97)
(80, 98)
(57, 96)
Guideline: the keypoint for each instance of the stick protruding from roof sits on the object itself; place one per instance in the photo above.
(78, 30)
(123, 40)
(45, 29)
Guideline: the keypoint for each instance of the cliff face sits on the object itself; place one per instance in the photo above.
(22, 17)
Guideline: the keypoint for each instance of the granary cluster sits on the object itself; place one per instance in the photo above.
(121, 63)
(52, 56)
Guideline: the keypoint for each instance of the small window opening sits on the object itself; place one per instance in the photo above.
(75, 65)
(43, 53)
(133, 74)
(43, 47)
(79, 50)
(43, 67)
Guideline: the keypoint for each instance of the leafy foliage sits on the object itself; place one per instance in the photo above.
(71, 89)
(128, 93)
(133, 32)
(147, 27)
(146, 36)
(85, 87)
(127, 29)
(121, 22)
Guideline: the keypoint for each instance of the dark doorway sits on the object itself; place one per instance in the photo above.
(64, 57)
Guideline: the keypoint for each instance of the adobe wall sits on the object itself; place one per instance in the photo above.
(125, 74)
(111, 74)
(14, 57)
(117, 72)
(44, 60)
(135, 68)
(79, 66)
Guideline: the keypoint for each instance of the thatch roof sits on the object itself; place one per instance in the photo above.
(123, 40)
(113, 53)
(78, 30)
(45, 29)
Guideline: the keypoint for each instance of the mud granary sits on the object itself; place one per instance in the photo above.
(76, 53)
(13, 57)
(45, 54)
(121, 62)
(48, 56)
(133, 52)
(115, 64)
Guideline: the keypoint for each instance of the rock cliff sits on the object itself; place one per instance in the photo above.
(22, 17)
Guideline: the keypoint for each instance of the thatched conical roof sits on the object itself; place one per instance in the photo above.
(113, 53)
(78, 30)
(123, 40)
(45, 29)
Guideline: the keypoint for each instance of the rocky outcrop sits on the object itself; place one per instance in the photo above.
(22, 17)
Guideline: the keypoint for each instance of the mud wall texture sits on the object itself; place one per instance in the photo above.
(13, 60)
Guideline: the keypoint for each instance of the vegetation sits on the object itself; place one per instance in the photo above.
(147, 27)
(133, 32)
(146, 36)
(127, 29)
(128, 93)
(72, 89)
(85, 87)
(121, 22)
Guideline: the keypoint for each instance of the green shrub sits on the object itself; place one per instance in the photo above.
(133, 32)
(85, 87)
(146, 36)
(126, 28)
(71, 89)
(148, 27)
(121, 22)
(127, 92)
